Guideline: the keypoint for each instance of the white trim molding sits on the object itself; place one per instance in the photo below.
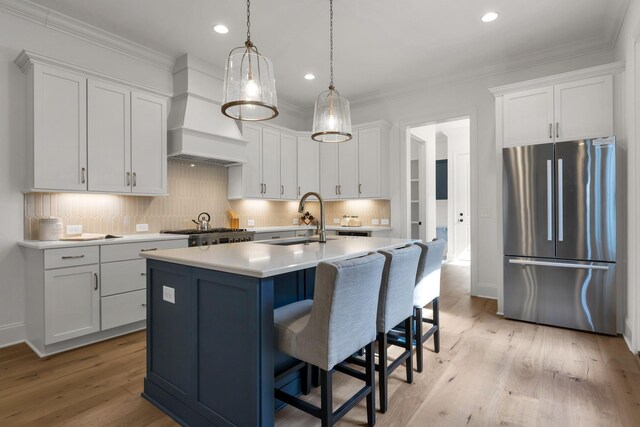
(89, 33)
(12, 334)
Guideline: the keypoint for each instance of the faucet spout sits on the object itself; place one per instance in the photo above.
(320, 228)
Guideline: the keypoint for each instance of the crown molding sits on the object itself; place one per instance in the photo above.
(65, 24)
(519, 63)
(26, 60)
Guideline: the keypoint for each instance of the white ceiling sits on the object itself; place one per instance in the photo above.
(380, 45)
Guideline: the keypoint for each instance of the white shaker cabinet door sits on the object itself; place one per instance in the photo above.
(71, 302)
(584, 109)
(288, 167)
(148, 144)
(59, 129)
(109, 137)
(348, 168)
(370, 163)
(528, 117)
(308, 165)
(329, 176)
(252, 186)
(271, 164)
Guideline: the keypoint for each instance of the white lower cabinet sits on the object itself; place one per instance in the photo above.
(78, 295)
(72, 302)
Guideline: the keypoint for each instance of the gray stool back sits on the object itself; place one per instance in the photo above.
(398, 281)
(428, 274)
(343, 315)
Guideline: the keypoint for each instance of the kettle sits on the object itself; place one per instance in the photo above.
(203, 222)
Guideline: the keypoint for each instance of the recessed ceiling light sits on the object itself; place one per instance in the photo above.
(221, 29)
(309, 76)
(489, 17)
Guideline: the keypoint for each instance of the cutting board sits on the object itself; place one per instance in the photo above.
(84, 237)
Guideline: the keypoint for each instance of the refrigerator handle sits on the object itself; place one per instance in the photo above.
(560, 203)
(559, 264)
(549, 201)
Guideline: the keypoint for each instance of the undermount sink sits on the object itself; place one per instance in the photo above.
(291, 241)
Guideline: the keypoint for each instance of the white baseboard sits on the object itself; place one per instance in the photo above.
(12, 334)
(486, 290)
(627, 334)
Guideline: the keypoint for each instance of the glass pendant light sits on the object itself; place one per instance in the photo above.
(249, 85)
(331, 117)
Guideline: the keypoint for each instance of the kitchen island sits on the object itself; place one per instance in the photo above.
(210, 340)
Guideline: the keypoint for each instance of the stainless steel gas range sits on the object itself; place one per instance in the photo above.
(214, 236)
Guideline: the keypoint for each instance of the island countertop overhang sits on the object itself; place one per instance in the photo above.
(261, 260)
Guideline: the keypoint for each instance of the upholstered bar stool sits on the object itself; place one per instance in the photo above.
(339, 321)
(427, 291)
(395, 306)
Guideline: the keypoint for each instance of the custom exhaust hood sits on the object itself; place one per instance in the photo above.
(197, 129)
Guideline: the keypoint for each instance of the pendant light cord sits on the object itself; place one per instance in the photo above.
(331, 87)
(249, 22)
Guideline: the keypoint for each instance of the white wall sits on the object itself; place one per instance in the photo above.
(627, 50)
(442, 100)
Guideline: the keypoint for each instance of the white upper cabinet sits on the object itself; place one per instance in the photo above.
(348, 168)
(57, 129)
(90, 132)
(288, 167)
(369, 156)
(329, 171)
(251, 179)
(564, 110)
(283, 165)
(271, 164)
(528, 117)
(308, 165)
(148, 144)
(109, 137)
(358, 168)
(584, 109)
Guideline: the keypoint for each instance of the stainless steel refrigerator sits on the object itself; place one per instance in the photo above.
(559, 203)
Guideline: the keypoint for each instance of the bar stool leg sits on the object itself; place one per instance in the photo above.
(306, 379)
(408, 337)
(382, 370)
(371, 382)
(326, 398)
(436, 322)
(417, 315)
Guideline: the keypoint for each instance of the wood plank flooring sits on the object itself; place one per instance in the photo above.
(490, 371)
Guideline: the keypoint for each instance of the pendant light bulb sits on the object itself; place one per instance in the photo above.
(249, 86)
(331, 117)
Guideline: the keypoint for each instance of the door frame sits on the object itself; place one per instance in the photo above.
(405, 125)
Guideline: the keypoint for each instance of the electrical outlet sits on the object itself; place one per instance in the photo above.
(375, 222)
(169, 294)
(485, 213)
(251, 223)
(74, 229)
(142, 227)
(384, 221)
(295, 221)
(336, 220)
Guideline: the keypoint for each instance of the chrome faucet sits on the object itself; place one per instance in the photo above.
(320, 229)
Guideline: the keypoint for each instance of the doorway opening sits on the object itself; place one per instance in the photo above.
(440, 186)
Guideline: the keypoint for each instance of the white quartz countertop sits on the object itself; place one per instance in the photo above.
(129, 238)
(258, 259)
(373, 228)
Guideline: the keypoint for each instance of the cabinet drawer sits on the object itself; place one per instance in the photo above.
(71, 257)
(123, 276)
(122, 309)
(128, 251)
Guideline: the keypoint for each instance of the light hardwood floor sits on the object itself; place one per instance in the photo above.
(490, 371)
